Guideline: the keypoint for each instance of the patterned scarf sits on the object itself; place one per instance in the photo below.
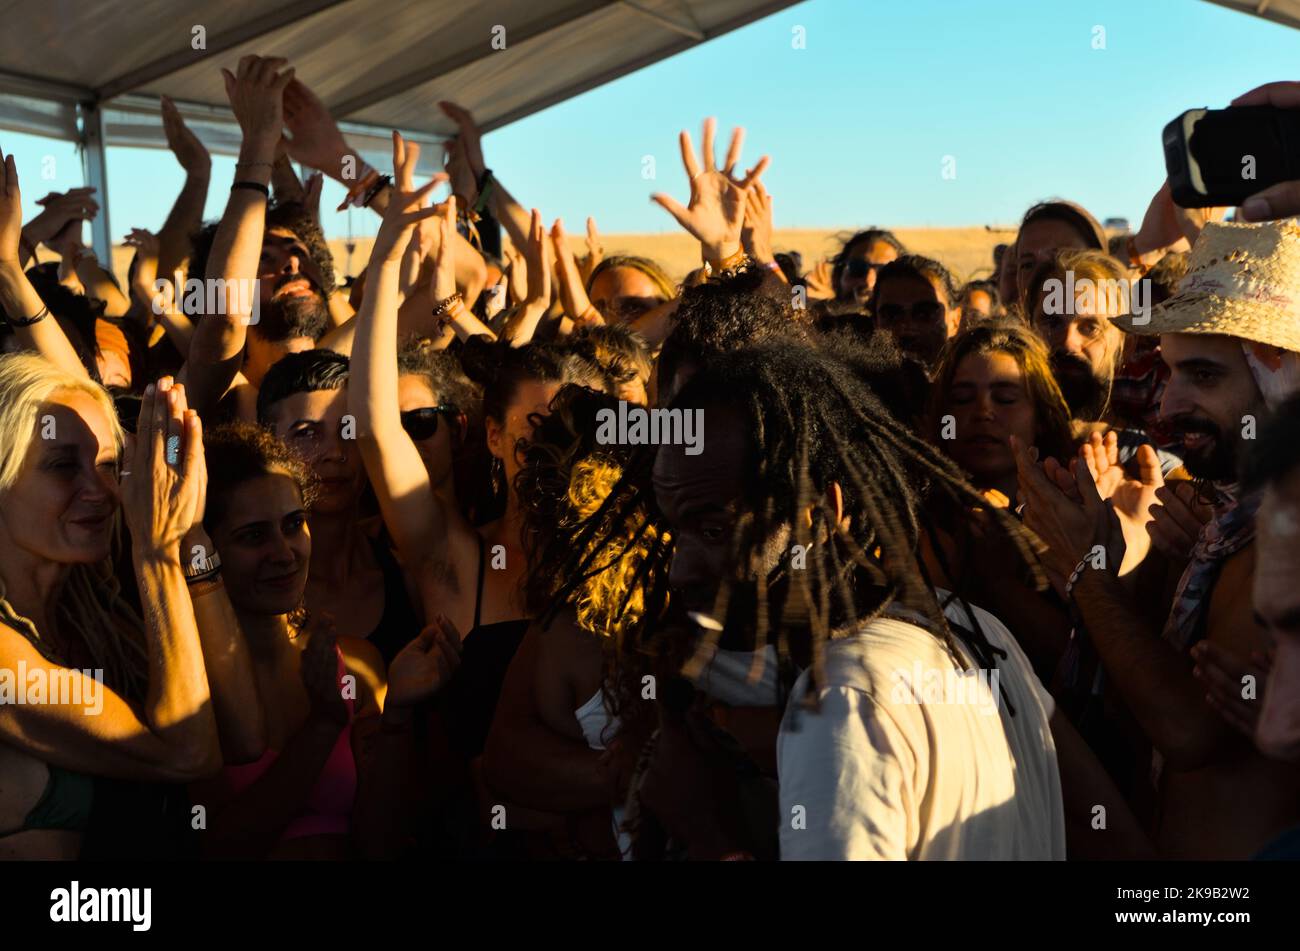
(1231, 529)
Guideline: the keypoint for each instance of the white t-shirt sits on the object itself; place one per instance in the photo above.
(875, 774)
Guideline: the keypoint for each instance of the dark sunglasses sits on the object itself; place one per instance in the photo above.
(422, 423)
(861, 268)
(925, 311)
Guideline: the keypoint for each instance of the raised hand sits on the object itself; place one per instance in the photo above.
(57, 209)
(1177, 517)
(517, 275)
(470, 137)
(716, 212)
(573, 293)
(311, 194)
(316, 140)
(146, 246)
(406, 206)
(256, 93)
(67, 243)
(444, 269)
(756, 235)
(185, 145)
(463, 182)
(1101, 454)
(320, 671)
(537, 257)
(11, 212)
(818, 282)
(595, 253)
(164, 482)
(424, 666)
(1064, 526)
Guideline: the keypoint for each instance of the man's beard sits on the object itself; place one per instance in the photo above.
(288, 317)
(1216, 462)
(1085, 394)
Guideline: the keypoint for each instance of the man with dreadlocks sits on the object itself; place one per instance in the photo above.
(799, 525)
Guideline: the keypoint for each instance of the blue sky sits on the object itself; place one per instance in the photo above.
(858, 123)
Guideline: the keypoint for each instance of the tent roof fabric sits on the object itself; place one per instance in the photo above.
(377, 64)
(1285, 12)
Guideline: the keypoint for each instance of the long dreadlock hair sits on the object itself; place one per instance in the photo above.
(812, 421)
(566, 476)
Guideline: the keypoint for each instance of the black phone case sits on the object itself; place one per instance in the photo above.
(1285, 121)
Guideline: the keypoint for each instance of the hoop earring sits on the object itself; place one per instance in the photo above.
(498, 475)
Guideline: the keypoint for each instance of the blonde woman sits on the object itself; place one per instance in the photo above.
(98, 690)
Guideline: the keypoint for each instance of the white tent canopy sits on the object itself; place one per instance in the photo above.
(92, 72)
(1286, 12)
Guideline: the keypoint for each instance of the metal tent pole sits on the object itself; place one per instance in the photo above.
(94, 166)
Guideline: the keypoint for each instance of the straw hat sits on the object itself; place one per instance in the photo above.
(1243, 280)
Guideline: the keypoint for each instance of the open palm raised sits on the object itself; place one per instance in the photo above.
(716, 212)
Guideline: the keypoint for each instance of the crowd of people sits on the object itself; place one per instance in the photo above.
(304, 565)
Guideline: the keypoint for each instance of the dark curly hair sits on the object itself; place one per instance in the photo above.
(717, 317)
(238, 452)
(916, 265)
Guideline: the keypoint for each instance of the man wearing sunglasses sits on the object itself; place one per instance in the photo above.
(859, 264)
(916, 300)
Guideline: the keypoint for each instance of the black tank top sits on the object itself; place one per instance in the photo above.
(470, 700)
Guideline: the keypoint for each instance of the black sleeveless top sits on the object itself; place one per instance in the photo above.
(399, 623)
(470, 700)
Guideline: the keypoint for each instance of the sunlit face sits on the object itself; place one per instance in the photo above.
(989, 404)
(265, 545)
(113, 359)
(623, 294)
(1085, 331)
(285, 269)
(977, 306)
(62, 506)
(1277, 609)
(864, 261)
(312, 425)
(917, 312)
(1039, 241)
(437, 451)
(1209, 394)
(1085, 348)
(531, 396)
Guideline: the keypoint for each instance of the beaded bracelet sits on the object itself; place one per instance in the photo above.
(452, 307)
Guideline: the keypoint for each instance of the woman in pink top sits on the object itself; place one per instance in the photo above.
(299, 798)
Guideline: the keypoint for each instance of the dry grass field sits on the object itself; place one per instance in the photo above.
(968, 252)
